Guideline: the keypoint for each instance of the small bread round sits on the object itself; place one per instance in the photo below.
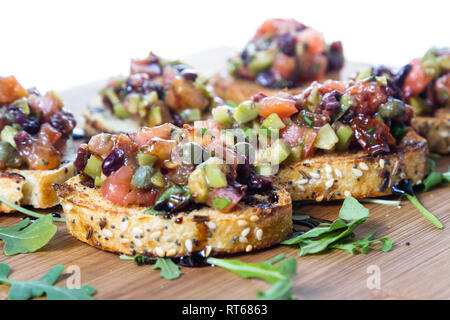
(436, 129)
(337, 175)
(237, 90)
(257, 222)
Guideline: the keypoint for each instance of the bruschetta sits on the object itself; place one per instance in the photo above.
(168, 192)
(283, 53)
(35, 133)
(155, 92)
(333, 140)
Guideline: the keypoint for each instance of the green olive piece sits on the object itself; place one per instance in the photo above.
(9, 155)
(142, 177)
(393, 108)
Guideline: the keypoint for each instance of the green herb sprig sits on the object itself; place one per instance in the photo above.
(24, 290)
(278, 276)
(335, 235)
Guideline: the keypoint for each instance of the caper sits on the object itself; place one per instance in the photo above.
(392, 108)
(192, 153)
(142, 177)
(246, 149)
(9, 155)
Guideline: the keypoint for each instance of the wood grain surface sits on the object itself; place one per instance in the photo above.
(418, 266)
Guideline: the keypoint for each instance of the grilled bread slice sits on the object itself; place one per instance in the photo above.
(337, 175)
(34, 187)
(237, 90)
(257, 222)
(436, 129)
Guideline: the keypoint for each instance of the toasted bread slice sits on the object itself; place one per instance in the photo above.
(34, 187)
(257, 222)
(337, 175)
(436, 129)
(99, 119)
(237, 90)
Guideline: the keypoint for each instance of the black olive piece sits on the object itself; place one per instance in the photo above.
(403, 187)
(195, 260)
(400, 76)
(56, 215)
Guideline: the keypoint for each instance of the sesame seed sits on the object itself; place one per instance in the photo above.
(107, 233)
(357, 172)
(243, 240)
(245, 232)
(396, 166)
(338, 172)
(249, 248)
(188, 244)
(320, 198)
(155, 234)
(254, 218)
(212, 225)
(301, 181)
(242, 223)
(347, 193)
(124, 241)
(329, 183)
(259, 234)
(137, 230)
(123, 226)
(171, 252)
(207, 251)
(138, 243)
(363, 166)
(160, 252)
(301, 188)
(327, 168)
(315, 175)
(381, 163)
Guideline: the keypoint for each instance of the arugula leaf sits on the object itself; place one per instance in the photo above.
(278, 276)
(333, 235)
(169, 270)
(433, 179)
(25, 238)
(24, 290)
(139, 259)
(26, 211)
(279, 291)
(363, 244)
(394, 203)
(427, 214)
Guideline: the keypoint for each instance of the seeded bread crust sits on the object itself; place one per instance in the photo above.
(258, 222)
(237, 90)
(436, 130)
(335, 175)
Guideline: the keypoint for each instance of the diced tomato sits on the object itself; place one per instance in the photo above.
(47, 104)
(39, 153)
(331, 85)
(373, 136)
(144, 135)
(369, 96)
(141, 197)
(416, 80)
(293, 135)
(206, 131)
(144, 66)
(231, 193)
(442, 88)
(52, 133)
(10, 90)
(273, 26)
(116, 187)
(280, 104)
(313, 39)
(284, 66)
(160, 148)
(309, 137)
(101, 144)
(182, 94)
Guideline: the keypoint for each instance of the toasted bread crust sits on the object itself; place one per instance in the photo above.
(33, 187)
(99, 119)
(436, 129)
(338, 175)
(127, 230)
(237, 90)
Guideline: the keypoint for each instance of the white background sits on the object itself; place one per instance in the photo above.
(60, 44)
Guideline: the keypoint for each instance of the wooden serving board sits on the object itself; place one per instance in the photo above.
(418, 266)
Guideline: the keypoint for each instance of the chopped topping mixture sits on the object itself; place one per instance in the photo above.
(157, 92)
(285, 52)
(427, 84)
(168, 169)
(330, 116)
(34, 128)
